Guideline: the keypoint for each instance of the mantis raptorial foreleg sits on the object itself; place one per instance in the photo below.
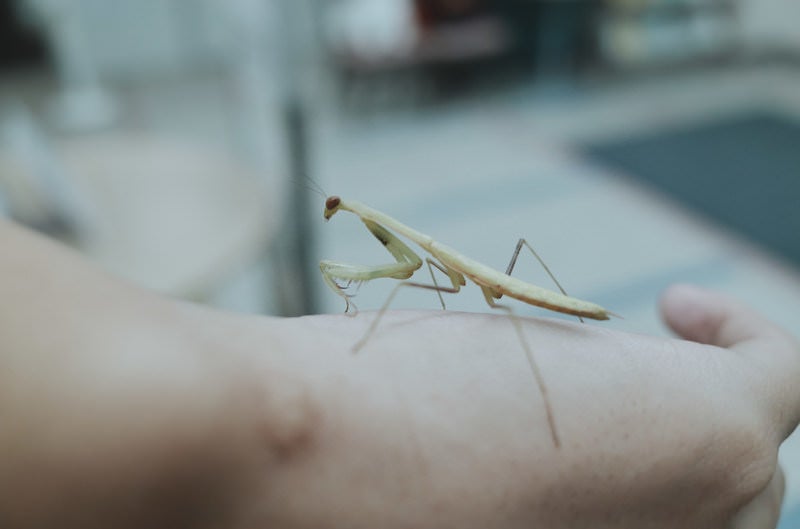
(456, 279)
(407, 263)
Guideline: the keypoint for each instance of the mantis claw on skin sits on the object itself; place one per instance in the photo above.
(458, 268)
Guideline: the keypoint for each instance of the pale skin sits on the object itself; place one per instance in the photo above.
(120, 408)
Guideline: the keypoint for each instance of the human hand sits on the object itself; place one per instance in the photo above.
(438, 423)
(119, 408)
(709, 318)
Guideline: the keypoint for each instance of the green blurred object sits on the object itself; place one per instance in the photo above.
(742, 171)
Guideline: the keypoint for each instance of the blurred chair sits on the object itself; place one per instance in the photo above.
(424, 42)
(174, 182)
(82, 103)
(167, 214)
(442, 47)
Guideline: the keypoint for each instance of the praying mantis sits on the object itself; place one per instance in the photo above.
(458, 268)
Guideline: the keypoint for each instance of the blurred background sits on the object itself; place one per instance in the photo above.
(185, 144)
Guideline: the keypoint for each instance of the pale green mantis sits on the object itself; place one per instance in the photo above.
(457, 267)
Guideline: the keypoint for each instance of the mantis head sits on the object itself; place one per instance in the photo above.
(332, 206)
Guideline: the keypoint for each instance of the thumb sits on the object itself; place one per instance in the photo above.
(707, 317)
(710, 318)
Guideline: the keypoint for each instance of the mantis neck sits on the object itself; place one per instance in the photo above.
(366, 212)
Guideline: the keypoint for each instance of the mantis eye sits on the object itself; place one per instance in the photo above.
(332, 203)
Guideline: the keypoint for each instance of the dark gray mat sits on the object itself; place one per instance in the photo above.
(742, 171)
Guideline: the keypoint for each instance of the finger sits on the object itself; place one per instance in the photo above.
(710, 318)
(707, 317)
(765, 510)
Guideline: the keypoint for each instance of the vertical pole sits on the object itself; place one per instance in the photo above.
(300, 233)
(297, 269)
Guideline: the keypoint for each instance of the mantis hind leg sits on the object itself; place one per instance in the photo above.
(456, 279)
(520, 243)
(488, 294)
